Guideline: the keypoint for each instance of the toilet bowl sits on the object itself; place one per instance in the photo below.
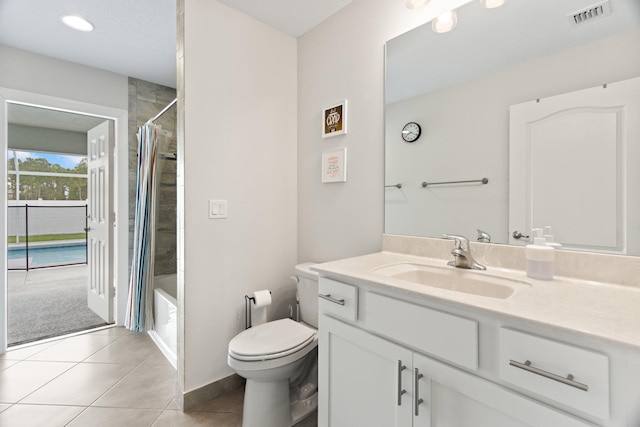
(278, 359)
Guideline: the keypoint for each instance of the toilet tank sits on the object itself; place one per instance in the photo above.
(307, 293)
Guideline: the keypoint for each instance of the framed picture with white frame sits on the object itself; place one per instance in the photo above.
(334, 120)
(334, 166)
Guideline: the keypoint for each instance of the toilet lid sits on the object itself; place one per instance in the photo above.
(269, 340)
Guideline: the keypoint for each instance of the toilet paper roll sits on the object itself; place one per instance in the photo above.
(261, 298)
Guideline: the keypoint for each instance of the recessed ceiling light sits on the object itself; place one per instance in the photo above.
(491, 4)
(77, 23)
(445, 22)
(415, 4)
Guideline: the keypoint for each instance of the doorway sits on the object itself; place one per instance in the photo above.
(50, 214)
(79, 279)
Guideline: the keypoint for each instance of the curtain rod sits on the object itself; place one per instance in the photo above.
(164, 110)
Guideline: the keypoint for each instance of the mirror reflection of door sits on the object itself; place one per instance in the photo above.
(568, 167)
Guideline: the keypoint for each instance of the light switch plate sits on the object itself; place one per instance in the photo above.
(217, 209)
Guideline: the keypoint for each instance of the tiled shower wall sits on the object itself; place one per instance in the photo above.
(145, 101)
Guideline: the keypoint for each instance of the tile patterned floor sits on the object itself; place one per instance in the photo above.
(110, 377)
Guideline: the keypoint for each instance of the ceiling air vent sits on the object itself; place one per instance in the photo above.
(590, 13)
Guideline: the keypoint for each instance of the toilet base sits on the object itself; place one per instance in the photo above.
(266, 404)
(301, 409)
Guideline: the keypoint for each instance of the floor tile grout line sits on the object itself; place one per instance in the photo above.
(146, 361)
(56, 340)
(118, 382)
(61, 405)
(22, 348)
(158, 417)
(91, 405)
(71, 361)
(74, 418)
(75, 364)
(57, 376)
(108, 407)
(116, 338)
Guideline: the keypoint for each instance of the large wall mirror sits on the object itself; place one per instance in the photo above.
(528, 119)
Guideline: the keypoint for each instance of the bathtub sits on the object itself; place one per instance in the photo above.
(165, 316)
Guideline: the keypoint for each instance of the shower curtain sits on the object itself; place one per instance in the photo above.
(139, 316)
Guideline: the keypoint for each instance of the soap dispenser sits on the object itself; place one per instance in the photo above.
(540, 259)
(549, 239)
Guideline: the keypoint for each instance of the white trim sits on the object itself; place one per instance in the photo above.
(3, 224)
(120, 182)
(60, 174)
(60, 337)
(164, 348)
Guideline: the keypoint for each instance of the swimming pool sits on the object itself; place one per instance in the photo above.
(48, 255)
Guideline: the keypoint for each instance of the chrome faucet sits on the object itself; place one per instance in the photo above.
(462, 254)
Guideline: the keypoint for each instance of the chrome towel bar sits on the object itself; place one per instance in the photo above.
(482, 181)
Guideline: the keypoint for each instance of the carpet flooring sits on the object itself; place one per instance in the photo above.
(48, 302)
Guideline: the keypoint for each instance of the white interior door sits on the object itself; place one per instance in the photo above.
(573, 166)
(100, 290)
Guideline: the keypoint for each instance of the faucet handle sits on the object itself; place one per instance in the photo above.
(460, 241)
(483, 236)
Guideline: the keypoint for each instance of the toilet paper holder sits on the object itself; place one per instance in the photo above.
(247, 310)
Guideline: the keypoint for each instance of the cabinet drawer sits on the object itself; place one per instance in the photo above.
(448, 337)
(569, 375)
(337, 298)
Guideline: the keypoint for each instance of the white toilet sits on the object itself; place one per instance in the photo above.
(279, 361)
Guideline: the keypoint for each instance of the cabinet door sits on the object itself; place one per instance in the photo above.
(454, 398)
(361, 378)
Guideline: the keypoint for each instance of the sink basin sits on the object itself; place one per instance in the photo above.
(454, 279)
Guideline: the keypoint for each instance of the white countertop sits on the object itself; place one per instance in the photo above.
(593, 309)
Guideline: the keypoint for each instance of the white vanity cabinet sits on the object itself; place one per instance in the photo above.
(391, 361)
(363, 380)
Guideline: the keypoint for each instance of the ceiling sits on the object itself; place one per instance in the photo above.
(27, 115)
(486, 40)
(131, 38)
(134, 38)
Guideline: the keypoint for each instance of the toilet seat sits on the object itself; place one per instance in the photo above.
(271, 340)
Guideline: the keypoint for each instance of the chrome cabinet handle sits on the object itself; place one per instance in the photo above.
(328, 297)
(568, 380)
(401, 391)
(416, 391)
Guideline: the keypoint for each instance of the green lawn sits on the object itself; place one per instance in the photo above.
(49, 237)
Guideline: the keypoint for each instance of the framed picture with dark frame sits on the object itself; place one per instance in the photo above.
(334, 120)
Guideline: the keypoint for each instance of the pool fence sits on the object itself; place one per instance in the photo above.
(33, 224)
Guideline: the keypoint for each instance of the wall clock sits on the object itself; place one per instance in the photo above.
(411, 132)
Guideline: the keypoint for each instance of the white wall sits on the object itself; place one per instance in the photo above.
(239, 145)
(344, 58)
(44, 75)
(449, 151)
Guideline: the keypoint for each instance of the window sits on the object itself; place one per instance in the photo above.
(46, 176)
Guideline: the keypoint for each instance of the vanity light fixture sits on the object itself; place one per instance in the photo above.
(415, 4)
(491, 4)
(445, 22)
(77, 23)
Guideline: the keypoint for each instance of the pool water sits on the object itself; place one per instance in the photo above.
(59, 254)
